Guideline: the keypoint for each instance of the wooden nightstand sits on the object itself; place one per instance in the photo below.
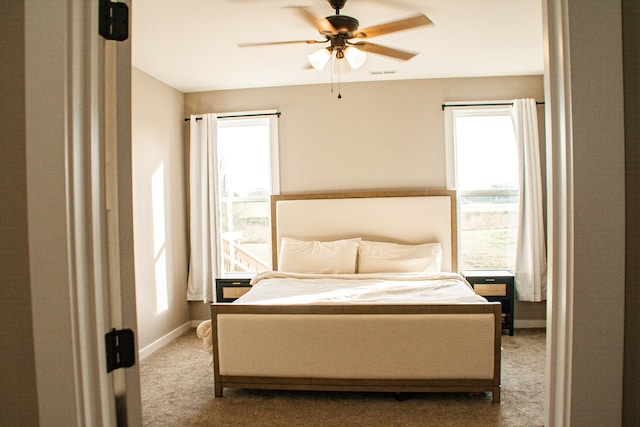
(495, 286)
(229, 289)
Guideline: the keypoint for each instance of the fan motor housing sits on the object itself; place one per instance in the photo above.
(344, 24)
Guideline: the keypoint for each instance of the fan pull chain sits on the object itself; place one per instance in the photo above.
(333, 63)
(339, 80)
(331, 73)
(339, 94)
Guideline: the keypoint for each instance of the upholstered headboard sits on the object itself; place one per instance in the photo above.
(410, 217)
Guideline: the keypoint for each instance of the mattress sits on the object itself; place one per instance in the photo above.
(280, 288)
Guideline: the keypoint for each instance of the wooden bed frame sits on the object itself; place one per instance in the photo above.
(455, 339)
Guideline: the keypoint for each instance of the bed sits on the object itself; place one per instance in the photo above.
(377, 326)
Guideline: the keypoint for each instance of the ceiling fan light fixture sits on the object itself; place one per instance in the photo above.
(355, 57)
(319, 58)
(341, 66)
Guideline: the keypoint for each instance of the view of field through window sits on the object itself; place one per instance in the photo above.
(244, 189)
(487, 183)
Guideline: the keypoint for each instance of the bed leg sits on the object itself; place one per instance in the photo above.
(217, 390)
(496, 394)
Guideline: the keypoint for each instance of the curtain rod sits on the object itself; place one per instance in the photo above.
(485, 104)
(277, 113)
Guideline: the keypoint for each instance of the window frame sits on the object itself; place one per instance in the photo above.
(499, 108)
(257, 116)
(249, 118)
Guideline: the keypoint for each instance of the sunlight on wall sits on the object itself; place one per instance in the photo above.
(159, 239)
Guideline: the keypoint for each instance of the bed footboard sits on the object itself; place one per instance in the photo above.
(399, 348)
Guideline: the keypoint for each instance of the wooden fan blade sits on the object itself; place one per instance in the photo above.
(278, 43)
(320, 23)
(403, 55)
(391, 27)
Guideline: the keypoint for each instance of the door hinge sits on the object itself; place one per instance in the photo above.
(120, 348)
(114, 20)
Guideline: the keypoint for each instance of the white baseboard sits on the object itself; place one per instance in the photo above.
(164, 340)
(530, 324)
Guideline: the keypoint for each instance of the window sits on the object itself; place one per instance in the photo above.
(482, 165)
(247, 176)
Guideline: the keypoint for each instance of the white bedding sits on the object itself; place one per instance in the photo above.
(275, 287)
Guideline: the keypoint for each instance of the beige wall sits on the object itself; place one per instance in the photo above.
(380, 135)
(159, 208)
(18, 395)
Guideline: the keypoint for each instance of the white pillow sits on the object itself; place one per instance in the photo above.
(312, 256)
(383, 257)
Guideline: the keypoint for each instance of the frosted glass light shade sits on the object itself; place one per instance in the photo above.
(356, 57)
(319, 59)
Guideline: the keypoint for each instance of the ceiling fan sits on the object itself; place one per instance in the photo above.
(338, 30)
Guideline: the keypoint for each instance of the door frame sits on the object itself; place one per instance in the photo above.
(69, 316)
(585, 212)
(77, 295)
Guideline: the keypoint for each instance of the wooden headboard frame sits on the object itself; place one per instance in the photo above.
(386, 211)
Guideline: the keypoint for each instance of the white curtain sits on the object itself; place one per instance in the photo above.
(531, 254)
(203, 228)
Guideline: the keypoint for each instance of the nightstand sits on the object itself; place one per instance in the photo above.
(229, 289)
(495, 286)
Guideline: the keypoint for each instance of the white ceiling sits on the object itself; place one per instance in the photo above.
(191, 44)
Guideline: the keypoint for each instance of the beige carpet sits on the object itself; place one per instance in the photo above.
(177, 390)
